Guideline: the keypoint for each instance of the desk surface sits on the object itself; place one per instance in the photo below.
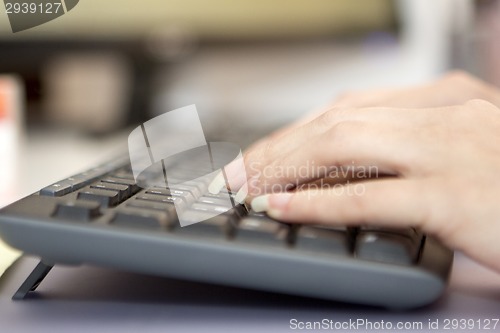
(91, 299)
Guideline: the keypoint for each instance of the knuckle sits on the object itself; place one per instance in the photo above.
(332, 116)
(267, 151)
(328, 118)
(464, 83)
(342, 130)
(438, 209)
(345, 97)
(307, 208)
(480, 104)
(458, 76)
(354, 210)
(253, 161)
(250, 157)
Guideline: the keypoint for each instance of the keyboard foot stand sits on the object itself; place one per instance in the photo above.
(33, 280)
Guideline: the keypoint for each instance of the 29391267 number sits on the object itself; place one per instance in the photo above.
(33, 8)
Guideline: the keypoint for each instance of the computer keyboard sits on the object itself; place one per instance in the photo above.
(102, 217)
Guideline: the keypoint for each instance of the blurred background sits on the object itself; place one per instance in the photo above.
(73, 88)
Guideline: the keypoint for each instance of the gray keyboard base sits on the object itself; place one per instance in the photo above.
(194, 253)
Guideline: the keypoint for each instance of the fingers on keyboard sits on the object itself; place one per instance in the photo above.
(216, 216)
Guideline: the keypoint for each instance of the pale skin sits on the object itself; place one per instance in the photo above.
(439, 144)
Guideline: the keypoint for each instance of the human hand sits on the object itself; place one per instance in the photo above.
(443, 160)
(456, 87)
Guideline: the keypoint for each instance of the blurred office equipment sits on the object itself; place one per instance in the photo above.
(475, 45)
(87, 90)
(239, 61)
(11, 130)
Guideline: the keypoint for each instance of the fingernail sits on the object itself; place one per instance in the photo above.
(273, 204)
(217, 184)
(241, 195)
(260, 203)
(278, 203)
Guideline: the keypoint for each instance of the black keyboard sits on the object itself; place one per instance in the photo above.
(102, 217)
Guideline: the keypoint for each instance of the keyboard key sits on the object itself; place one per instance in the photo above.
(211, 208)
(159, 191)
(386, 247)
(74, 182)
(195, 192)
(78, 210)
(82, 179)
(134, 188)
(186, 196)
(178, 202)
(123, 190)
(168, 207)
(322, 240)
(186, 179)
(143, 220)
(220, 226)
(196, 184)
(218, 201)
(262, 231)
(257, 214)
(238, 210)
(57, 189)
(221, 195)
(106, 198)
(411, 233)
